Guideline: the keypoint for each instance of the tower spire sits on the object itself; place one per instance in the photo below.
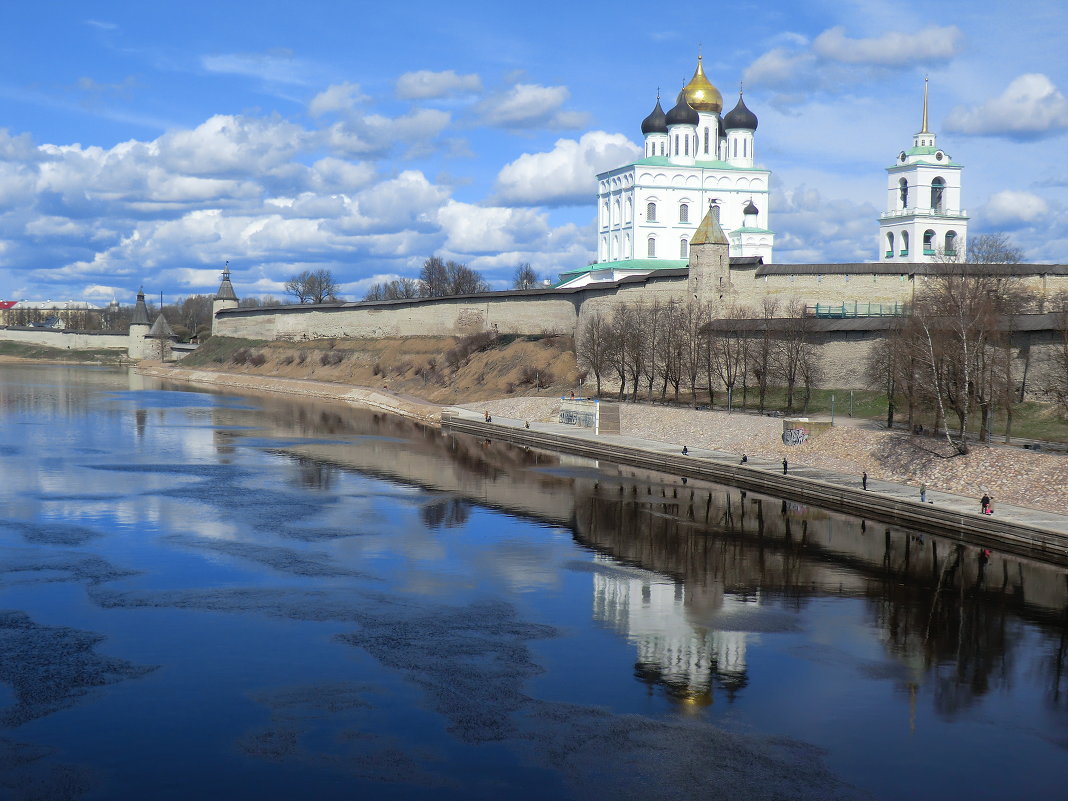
(923, 128)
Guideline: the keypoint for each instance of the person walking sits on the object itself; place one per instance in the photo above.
(984, 504)
(923, 493)
(784, 467)
(864, 480)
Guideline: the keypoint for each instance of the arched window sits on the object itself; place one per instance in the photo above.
(676, 144)
(650, 212)
(706, 141)
(684, 213)
(604, 248)
(686, 145)
(951, 243)
(928, 242)
(615, 209)
(745, 148)
(651, 248)
(626, 247)
(684, 248)
(903, 191)
(715, 212)
(889, 244)
(904, 243)
(937, 189)
(661, 148)
(630, 209)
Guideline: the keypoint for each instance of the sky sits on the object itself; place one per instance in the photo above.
(151, 143)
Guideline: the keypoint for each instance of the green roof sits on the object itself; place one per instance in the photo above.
(664, 161)
(744, 230)
(624, 265)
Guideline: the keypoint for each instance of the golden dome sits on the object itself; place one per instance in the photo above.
(701, 94)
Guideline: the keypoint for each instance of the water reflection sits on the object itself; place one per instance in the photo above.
(564, 610)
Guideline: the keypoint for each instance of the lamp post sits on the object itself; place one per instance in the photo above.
(832, 410)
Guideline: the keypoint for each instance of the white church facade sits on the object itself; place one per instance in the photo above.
(923, 221)
(694, 158)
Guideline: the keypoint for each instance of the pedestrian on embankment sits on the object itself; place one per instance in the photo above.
(984, 504)
(685, 450)
(923, 493)
(864, 480)
(744, 459)
(784, 467)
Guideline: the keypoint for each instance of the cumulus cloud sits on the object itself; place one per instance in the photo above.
(375, 134)
(566, 175)
(814, 229)
(1031, 107)
(341, 97)
(1010, 208)
(892, 48)
(526, 105)
(797, 67)
(482, 229)
(425, 84)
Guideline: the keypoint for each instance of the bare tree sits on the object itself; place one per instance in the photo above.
(594, 346)
(440, 279)
(993, 249)
(762, 351)
(1055, 385)
(525, 277)
(398, 289)
(622, 321)
(313, 286)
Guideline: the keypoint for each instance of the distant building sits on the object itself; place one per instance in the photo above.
(76, 314)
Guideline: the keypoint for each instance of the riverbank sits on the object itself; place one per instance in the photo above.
(1009, 475)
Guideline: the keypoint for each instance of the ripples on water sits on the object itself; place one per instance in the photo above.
(218, 597)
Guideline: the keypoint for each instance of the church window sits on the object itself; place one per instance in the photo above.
(651, 248)
(706, 141)
(604, 215)
(650, 212)
(735, 153)
(604, 248)
(615, 209)
(630, 209)
(676, 144)
(684, 213)
(904, 243)
(661, 148)
(745, 148)
(937, 189)
(903, 191)
(928, 242)
(889, 244)
(684, 251)
(626, 247)
(686, 145)
(951, 243)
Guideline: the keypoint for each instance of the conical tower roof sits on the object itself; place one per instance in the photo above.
(226, 289)
(709, 231)
(140, 312)
(161, 329)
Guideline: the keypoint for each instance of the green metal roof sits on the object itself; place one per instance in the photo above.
(744, 230)
(664, 161)
(625, 264)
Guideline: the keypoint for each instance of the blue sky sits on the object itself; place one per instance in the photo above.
(151, 142)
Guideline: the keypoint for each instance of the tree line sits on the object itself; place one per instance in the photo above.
(653, 348)
(439, 278)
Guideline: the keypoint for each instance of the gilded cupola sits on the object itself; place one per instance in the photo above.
(701, 94)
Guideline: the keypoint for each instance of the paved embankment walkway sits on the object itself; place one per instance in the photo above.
(1016, 529)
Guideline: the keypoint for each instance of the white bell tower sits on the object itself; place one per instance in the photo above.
(923, 221)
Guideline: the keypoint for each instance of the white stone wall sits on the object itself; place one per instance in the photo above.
(62, 338)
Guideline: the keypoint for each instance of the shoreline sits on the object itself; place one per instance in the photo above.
(1037, 481)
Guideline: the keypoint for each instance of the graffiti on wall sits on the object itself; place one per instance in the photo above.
(578, 418)
(794, 436)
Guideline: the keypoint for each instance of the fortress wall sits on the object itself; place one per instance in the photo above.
(62, 338)
(508, 314)
(844, 358)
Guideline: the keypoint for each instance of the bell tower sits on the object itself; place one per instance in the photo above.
(923, 221)
(225, 298)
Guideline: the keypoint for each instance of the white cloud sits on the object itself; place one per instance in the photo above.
(375, 135)
(526, 105)
(482, 229)
(1010, 208)
(566, 175)
(425, 84)
(341, 97)
(276, 66)
(227, 143)
(892, 48)
(1030, 107)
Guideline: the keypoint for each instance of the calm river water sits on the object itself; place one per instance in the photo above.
(218, 597)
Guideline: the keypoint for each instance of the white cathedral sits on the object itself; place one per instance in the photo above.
(696, 158)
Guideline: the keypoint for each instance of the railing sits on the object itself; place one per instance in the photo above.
(919, 212)
(842, 310)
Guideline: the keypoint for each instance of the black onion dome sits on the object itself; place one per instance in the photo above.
(656, 122)
(750, 208)
(740, 117)
(683, 113)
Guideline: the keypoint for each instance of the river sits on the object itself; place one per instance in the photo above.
(219, 597)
